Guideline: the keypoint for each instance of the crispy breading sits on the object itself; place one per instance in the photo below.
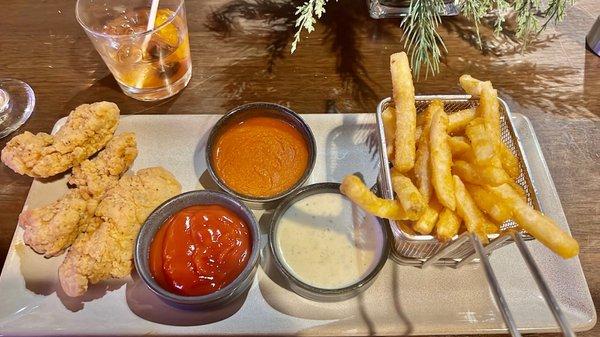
(87, 129)
(50, 229)
(102, 172)
(106, 249)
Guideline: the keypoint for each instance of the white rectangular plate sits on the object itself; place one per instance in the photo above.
(403, 300)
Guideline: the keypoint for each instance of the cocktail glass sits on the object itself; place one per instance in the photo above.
(149, 61)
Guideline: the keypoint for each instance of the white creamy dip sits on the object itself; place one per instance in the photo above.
(327, 242)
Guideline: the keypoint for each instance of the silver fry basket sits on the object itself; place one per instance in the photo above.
(413, 249)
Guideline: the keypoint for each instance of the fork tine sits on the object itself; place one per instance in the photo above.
(493, 282)
(537, 276)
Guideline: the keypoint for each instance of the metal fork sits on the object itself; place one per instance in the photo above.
(533, 268)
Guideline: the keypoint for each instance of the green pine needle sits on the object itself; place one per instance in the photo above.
(421, 38)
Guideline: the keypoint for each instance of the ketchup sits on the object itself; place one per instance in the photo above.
(199, 250)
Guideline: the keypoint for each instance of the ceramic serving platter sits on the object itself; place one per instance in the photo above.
(403, 300)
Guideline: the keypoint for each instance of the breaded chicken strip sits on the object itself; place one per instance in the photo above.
(51, 229)
(102, 172)
(106, 249)
(87, 129)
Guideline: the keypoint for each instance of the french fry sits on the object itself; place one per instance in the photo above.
(480, 175)
(519, 190)
(488, 107)
(441, 159)
(493, 175)
(458, 145)
(459, 120)
(353, 188)
(447, 225)
(481, 141)
(408, 195)
(424, 225)
(471, 85)
(490, 227)
(489, 203)
(510, 163)
(466, 208)
(406, 113)
(537, 224)
(467, 172)
(388, 117)
(421, 168)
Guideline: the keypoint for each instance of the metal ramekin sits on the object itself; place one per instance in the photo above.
(308, 291)
(261, 109)
(153, 223)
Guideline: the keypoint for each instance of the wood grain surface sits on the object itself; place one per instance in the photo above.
(240, 52)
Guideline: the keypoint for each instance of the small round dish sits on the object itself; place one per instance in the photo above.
(260, 109)
(158, 217)
(327, 248)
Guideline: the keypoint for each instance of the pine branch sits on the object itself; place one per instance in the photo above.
(556, 11)
(528, 25)
(306, 18)
(475, 10)
(421, 39)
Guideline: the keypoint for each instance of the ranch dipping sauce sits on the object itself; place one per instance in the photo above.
(325, 241)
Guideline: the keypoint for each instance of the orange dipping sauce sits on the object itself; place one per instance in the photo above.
(200, 250)
(260, 156)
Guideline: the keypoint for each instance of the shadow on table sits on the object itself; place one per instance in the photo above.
(242, 22)
(147, 305)
(107, 89)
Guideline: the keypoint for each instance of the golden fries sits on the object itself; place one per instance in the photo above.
(353, 188)
(517, 188)
(458, 145)
(489, 203)
(510, 163)
(493, 175)
(406, 113)
(468, 211)
(426, 222)
(537, 224)
(408, 195)
(460, 119)
(421, 168)
(388, 117)
(490, 227)
(470, 85)
(452, 170)
(481, 142)
(488, 107)
(447, 225)
(467, 172)
(441, 159)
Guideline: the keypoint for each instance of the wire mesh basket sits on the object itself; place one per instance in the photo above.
(411, 248)
(414, 249)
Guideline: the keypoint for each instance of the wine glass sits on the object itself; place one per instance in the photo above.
(16, 104)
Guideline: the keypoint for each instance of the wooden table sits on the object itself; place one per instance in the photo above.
(240, 54)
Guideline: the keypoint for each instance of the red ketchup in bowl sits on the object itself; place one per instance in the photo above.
(200, 250)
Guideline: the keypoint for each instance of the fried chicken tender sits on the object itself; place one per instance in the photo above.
(49, 230)
(87, 129)
(106, 249)
(102, 172)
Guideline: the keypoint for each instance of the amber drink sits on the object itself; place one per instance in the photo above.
(150, 62)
